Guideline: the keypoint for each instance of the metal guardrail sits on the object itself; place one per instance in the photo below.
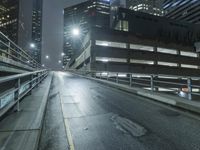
(23, 84)
(184, 86)
(11, 51)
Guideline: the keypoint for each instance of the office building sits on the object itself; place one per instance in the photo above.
(83, 16)
(153, 7)
(159, 28)
(9, 10)
(183, 10)
(21, 21)
(165, 47)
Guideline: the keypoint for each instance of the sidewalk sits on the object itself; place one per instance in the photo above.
(21, 130)
(175, 101)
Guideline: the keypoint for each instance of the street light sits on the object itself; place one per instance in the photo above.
(32, 45)
(47, 56)
(62, 54)
(75, 31)
(59, 61)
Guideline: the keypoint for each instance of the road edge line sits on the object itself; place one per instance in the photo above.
(67, 127)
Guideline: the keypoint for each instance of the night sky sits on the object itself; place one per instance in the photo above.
(52, 34)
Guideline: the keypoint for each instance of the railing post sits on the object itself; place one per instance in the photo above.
(16, 94)
(130, 78)
(8, 55)
(189, 85)
(152, 84)
(100, 75)
(107, 76)
(31, 84)
(117, 78)
(41, 76)
(0, 103)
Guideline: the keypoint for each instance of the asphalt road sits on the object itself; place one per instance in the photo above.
(85, 115)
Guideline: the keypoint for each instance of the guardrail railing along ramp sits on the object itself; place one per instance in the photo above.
(12, 55)
(15, 87)
(184, 86)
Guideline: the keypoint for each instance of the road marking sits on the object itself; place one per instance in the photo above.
(69, 135)
(67, 127)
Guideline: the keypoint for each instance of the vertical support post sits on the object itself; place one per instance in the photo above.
(16, 94)
(152, 84)
(189, 85)
(31, 84)
(117, 78)
(8, 55)
(107, 76)
(41, 76)
(100, 75)
(130, 80)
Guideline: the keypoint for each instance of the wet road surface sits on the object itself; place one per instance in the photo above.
(85, 115)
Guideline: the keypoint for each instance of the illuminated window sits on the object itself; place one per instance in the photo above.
(167, 51)
(110, 44)
(189, 66)
(108, 59)
(189, 54)
(141, 47)
(167, 64)
(149, 62)
(122, 25)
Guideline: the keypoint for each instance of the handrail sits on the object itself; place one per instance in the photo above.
(12, 51)
(12, 96)
(153, 81)
(13, 77)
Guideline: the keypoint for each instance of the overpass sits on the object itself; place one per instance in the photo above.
(79, 110)
(94, 110)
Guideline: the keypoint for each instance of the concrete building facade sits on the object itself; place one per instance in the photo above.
(83, 16)
(139, 49)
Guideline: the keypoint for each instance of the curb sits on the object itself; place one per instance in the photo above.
(44, 106)
(43, 110)
(174, 101)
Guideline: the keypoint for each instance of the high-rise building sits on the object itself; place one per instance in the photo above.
(153, 7)
(83, 16)
(37, 29)
(21, 21)
(183, 10)
(9, 10)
